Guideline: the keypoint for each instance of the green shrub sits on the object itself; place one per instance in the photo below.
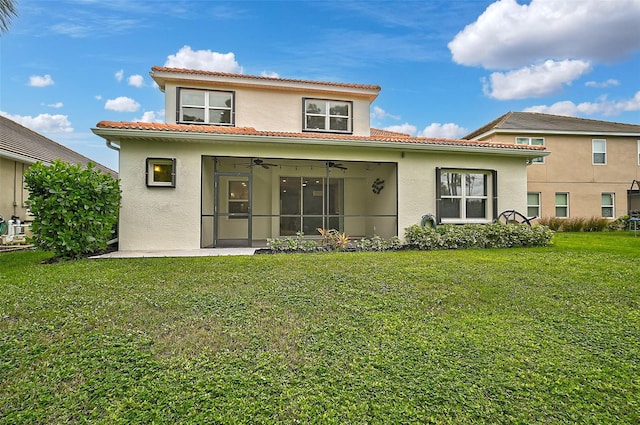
(573, 224)
(75, 208)
(553, 223)
(596, 224)
(376, 243)
(494, 235)
(293, 244)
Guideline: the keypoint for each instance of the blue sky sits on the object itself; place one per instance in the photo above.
(445, 67)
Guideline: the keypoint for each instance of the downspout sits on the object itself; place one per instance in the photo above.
(113, 146)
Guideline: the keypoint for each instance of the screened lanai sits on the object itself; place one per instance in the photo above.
(247, 200)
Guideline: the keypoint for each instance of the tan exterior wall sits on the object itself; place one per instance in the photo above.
(160, 218)
(570, 169)
(269, 110)
(12, 193)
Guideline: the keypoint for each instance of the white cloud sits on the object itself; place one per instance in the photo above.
(151, 116)
(446, 131)
(402, 128)
(601, 107)
(56, 105)
(98, 97)
(534, 81)
(40, 81)
(603, 84)
(136, 80)
(119, 75)
(381, 114)
(270, 74)
(43, 123)
(204, 60)
(122, 104)
(509, 35)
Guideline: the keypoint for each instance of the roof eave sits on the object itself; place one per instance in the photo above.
(116, 135)
(555, 132)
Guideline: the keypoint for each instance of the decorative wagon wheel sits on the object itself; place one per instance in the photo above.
(512, 217)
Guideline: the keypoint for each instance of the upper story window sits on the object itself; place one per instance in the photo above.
(328, 115)
(599, 147)
(206, 107)
(532, 141)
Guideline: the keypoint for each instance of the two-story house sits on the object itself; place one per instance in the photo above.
(591, 167)
(241, 159)
(20, 148)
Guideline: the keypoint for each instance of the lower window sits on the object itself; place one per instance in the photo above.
(161, 172)
(533, 204)
(463, 195)
(608, 203)
(562, 204)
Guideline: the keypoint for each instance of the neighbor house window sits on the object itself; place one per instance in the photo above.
(327, 115)
(562, 204)
(206, 107)
(599, 147)
(533, 204)
(463, 195)
(161, 172)
(608, 210)
(532, 141)
(238, 197)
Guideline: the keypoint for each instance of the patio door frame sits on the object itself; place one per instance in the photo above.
(216, 208)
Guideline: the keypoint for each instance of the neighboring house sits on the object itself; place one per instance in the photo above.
(19, 149)
(245, 158)
(591, 166)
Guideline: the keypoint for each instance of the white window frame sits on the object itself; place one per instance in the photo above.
(565, 205)
(463, 197)
(531, 206)
(638, 152)
(327, 115)
(595, 151)
(611, 206)
(206, 107)
(532, 141)
(153, 175)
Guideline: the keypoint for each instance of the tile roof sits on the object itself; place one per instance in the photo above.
(533, 121)
(380, 132)
(19, 140)
(376, 136)
(259, 78)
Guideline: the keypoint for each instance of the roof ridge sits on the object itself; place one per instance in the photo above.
(260, 77)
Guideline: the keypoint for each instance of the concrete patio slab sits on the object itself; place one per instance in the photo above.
(204, 252)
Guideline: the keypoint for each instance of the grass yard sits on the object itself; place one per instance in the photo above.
(529, 336)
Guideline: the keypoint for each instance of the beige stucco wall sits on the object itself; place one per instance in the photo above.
(12, 194)
(160, 218)
(569, 168)
(272, 110)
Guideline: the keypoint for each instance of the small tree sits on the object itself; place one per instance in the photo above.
(75, 208)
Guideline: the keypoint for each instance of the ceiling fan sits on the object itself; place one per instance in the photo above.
(331, 164)
(261, 163)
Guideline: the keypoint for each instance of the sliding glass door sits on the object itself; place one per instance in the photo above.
(307, 203)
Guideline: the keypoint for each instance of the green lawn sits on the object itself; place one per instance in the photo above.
(539, 335)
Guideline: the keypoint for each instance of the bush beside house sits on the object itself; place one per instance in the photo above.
(75, 209)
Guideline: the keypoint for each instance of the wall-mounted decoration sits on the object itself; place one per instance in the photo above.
(377, 186)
